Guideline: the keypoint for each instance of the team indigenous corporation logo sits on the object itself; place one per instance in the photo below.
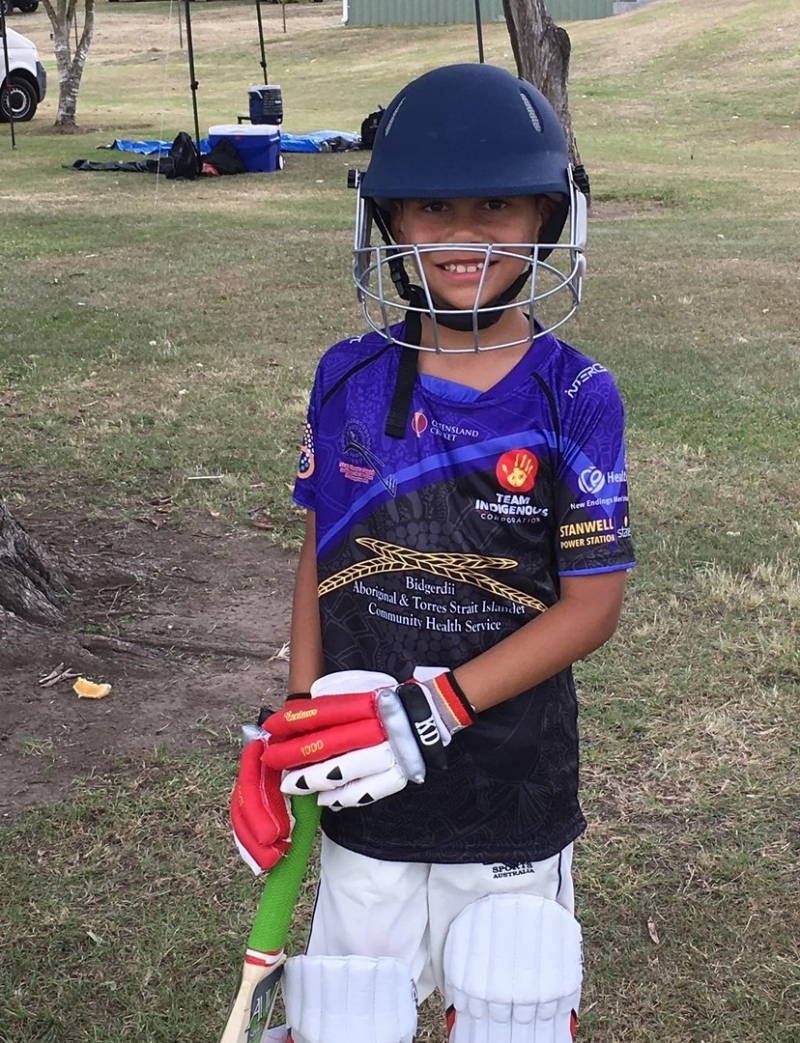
(305, 466)
(516, 470)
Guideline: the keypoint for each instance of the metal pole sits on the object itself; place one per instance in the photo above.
(10, 103)
(261, 42)
(479, 28)
(192, 78)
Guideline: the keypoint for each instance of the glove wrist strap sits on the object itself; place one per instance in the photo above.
(454, 708)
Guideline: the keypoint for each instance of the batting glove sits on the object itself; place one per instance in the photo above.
(354, 749)
(260, 812)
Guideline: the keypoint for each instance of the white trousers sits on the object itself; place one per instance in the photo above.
(369, 907)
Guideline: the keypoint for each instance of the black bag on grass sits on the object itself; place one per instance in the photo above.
(369, 127)
(224, 158)
(183, 159)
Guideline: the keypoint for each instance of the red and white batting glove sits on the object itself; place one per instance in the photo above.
(353, 748)
(260, 812)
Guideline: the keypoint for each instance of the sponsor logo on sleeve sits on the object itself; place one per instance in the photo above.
(305, 466)
(591, 533)
(624, 531)
(591, 480)
(582, 377)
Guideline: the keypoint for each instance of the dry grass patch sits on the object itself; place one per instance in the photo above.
(659, 33)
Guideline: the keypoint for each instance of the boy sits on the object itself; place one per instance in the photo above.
(467, 532)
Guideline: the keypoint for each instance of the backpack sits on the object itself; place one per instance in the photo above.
(369, 127)
(183, 160)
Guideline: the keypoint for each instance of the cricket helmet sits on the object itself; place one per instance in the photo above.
(469, 131)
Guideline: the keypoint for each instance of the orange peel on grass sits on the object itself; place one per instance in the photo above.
(89, 690)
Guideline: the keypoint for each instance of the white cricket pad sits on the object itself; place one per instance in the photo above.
(349, 999)
(513, 966)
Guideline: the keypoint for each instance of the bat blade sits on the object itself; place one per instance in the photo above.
(251, 1009)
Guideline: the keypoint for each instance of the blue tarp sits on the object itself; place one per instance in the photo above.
(315, 141)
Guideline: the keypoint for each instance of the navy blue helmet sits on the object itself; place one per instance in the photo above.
(468, 131)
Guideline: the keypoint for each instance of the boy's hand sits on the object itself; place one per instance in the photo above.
(356, 749)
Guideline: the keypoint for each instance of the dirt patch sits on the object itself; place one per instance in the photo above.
(190, 651)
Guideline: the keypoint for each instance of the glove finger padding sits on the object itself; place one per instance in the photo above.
(336, 772)
(352, 780)
(260, 813)
(360, 792)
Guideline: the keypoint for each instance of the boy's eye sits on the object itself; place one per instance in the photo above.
(435, 206)
(495, 204)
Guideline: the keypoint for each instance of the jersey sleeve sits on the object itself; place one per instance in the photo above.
(593, 525)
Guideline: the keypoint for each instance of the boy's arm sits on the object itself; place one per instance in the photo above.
(583, 619)
(306, 662)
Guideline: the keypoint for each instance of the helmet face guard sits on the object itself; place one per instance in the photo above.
(469, 131)
(554, 274)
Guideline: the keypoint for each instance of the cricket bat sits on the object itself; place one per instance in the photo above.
(255, 996)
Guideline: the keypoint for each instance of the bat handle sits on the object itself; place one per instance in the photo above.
(271, 924)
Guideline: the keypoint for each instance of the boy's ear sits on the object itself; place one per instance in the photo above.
(547, 207)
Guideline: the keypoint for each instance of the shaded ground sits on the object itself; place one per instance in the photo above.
(200, 642)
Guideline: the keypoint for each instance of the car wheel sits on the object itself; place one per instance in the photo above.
(18, 99)
(28, 6)
(5, 6)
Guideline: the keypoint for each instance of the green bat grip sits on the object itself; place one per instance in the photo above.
(274, 914)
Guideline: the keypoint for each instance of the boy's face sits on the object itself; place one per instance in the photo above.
(454, 275)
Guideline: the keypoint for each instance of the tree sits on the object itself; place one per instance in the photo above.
(32, 580)
(542, 52)
(37, 588)
(70, 59)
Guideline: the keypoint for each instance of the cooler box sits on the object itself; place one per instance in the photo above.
(259, 147)
(266, 104)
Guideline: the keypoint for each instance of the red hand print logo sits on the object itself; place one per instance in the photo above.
(516, 470)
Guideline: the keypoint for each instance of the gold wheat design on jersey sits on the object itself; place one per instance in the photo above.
(463, 568)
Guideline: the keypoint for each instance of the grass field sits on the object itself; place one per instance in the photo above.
(152, 330)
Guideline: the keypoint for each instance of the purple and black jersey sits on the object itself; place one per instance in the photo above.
(433, 548)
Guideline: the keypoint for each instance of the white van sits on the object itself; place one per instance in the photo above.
(27, 83)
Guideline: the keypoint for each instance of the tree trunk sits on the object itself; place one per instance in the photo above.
(542, 52)
(69, 62)
(40, 590)
(32, 581)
